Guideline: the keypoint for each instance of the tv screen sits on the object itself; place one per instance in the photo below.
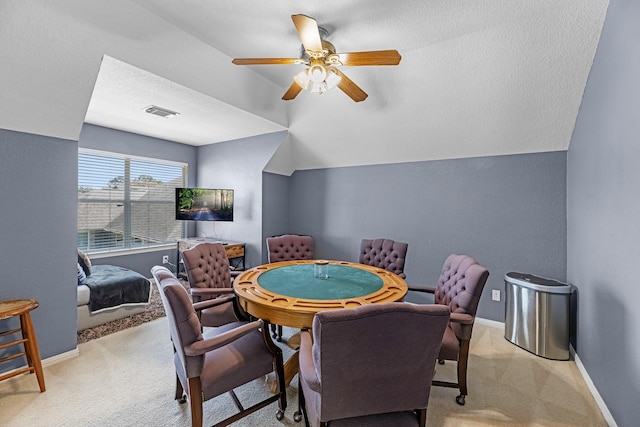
(204, 204)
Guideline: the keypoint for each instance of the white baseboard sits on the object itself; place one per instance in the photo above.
(50, 361)
(492, 323)
(594, 391)
(67, 355)
(585, 375)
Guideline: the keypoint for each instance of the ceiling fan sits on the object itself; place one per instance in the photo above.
(322, 62)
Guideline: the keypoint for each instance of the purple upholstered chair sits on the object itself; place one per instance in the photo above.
(371, 365)
(220, 359)
(288, 247)
(384, 253)
(459, 287)
(207, 268)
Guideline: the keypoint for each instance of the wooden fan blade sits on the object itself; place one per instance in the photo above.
(292, 92)
(375, 57)
(350, 88)
(267, 61)
(308, 32)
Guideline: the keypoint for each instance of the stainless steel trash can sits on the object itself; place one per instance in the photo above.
(537, 315)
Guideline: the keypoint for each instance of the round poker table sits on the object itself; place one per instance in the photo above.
(288, 293)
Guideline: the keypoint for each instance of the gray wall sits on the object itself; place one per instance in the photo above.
(38, 190)
(38, 228)
(275, 207)
(238, 165)
(603, 208)
(508, 212)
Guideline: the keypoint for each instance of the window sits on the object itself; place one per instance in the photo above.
(127, 202)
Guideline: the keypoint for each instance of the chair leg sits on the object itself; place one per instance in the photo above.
(278, 385)
(422, 417)
(463, 358)
(31, 349)
(195, 398)
(180, 396)
(276, 332)
(461, 384)
(297, 416)
(282, 388)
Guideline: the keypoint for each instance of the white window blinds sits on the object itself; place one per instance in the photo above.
(126, 202)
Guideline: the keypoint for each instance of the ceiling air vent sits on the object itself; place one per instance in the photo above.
(159, 111)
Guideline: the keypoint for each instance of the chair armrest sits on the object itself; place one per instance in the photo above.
(307, 369)
(201, 305)
(203, 292)
(199, 348)
(462, 318)
(463, 325)
(427, 289)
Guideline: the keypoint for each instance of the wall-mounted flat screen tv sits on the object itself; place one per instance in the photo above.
(204, 204)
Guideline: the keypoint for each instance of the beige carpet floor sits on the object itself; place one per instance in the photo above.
(127, 379)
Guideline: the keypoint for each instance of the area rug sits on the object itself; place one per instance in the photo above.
(153, 311)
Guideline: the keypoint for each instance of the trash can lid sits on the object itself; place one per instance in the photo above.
(537, 283)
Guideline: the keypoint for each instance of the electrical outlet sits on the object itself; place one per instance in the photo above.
(495, 294)
(165, 259)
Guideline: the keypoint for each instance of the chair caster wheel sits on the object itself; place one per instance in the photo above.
(280, 415)
(440, 362)
(183, 399)
(460, 399)
(297, 416)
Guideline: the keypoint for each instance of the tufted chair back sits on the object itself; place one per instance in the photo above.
(290, 247)
(384, 253)
(207, 268)
(460, 284)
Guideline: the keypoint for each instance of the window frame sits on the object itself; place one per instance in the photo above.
(128, 203)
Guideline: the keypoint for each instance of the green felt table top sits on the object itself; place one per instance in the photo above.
(298, 281)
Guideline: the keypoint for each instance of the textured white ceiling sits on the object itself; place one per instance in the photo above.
(476, 78)
(122, 93)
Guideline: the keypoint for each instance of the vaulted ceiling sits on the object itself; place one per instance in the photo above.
(476, 78)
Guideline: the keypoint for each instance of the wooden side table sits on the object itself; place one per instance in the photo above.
(22, 308)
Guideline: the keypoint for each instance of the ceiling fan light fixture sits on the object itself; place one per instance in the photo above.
(332, 79)
(317, 79)
(317, 73)
(318, 88)
(302, 78)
